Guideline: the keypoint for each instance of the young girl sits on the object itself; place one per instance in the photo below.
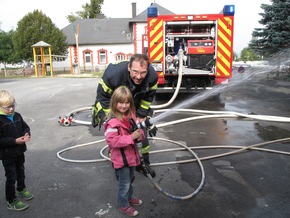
(123, 151)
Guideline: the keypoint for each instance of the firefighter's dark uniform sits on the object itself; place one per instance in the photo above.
(117, 75)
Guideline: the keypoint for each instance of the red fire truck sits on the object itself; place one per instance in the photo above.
(207, 44)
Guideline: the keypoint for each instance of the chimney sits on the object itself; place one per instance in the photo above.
(134, 9)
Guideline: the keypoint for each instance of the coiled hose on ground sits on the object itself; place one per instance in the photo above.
(203, 115)
(208, 115)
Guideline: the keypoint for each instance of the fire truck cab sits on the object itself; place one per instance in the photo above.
(207, 44)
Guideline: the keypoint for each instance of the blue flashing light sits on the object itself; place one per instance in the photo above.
(152, 12)
(229, 10)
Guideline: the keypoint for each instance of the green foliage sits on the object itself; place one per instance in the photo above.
(275, 36)
(248, 54)
(236, 57)
(72, 18)
(6, 47)
(35, 27)
(89, 11)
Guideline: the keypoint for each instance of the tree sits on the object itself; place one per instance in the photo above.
(275, 36)
(6, 48)
(35, 27)
(248, 54)
(236, 56)
(89, 11)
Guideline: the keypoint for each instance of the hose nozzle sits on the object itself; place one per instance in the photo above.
(152, 129)
(146, 123)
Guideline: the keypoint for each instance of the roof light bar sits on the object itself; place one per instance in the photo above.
(229, 10)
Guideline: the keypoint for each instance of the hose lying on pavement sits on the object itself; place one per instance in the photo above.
(216, 114)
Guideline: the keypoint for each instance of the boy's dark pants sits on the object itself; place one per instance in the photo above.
(14, 171)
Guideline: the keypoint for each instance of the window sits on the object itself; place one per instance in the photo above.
(103, 58)
(87, 57)
(120, 56)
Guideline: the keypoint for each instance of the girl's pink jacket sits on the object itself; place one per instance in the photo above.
(121, 145)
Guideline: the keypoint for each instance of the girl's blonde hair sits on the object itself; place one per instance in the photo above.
(121, 94)
(6, 98)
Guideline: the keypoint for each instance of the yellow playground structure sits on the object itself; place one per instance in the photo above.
(43, 59)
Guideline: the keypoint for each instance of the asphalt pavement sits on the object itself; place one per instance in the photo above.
(80, 184)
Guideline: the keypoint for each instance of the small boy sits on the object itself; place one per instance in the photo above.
(14, 133)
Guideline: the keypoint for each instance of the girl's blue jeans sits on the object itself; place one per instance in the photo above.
(125, 177)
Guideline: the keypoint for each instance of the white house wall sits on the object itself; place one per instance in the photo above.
(112, 51)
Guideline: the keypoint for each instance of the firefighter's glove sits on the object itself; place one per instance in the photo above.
(95, 121)
(152, 129)
(98, 117)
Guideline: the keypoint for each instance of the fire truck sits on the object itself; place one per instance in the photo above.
(206, 41)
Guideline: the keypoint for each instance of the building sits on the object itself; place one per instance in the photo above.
(98, 42)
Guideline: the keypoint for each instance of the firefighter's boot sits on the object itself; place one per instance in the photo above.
(146, 164)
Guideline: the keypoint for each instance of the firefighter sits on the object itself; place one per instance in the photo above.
(140, 77)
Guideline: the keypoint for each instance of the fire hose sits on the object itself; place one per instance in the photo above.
(70, 118)
(145, 124)
(204, 115)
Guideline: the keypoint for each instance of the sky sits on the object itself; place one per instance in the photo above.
(246, 12)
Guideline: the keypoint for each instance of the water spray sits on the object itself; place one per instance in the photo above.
(196, 99)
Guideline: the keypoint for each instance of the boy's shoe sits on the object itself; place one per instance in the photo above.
(25, 194)
(130, 211)
(135, 201)
(17, 205)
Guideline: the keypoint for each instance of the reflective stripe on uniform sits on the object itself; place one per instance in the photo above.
(145, 150)
(106, 110)
(99, 107)
(105, 87)
(145, 104)
(153, 87)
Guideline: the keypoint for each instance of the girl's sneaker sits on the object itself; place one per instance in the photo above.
(135, 201)
(130, 211)
(16, 205)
